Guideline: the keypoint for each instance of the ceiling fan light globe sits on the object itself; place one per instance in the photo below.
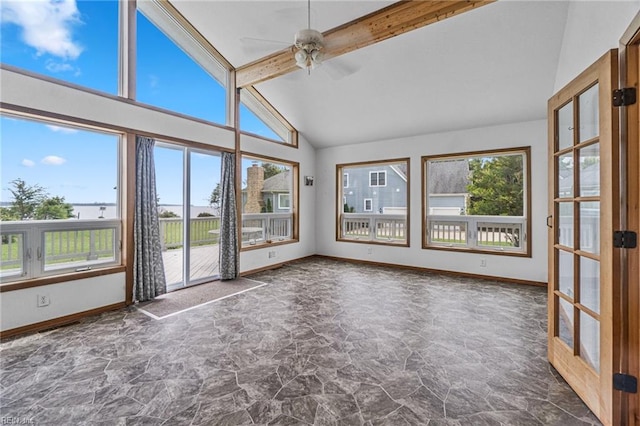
(317, 57)
(301, 57)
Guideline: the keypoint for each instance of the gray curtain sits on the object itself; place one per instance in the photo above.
(229, 248)
(148, 269)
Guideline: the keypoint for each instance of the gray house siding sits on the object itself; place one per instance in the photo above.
(392, 195)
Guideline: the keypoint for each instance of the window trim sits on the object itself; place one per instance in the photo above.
(341, 196)
(527, 219)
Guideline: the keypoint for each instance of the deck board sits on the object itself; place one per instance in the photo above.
(204, 263)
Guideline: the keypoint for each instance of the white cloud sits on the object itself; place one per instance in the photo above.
(57, 67)
(53, 160)
(28, 163)
(59, 129)
(46, 25)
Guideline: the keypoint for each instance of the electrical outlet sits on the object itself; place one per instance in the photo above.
(272, 254)
(43, 300)
(483, 263)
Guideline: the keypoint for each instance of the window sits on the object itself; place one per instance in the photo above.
(378, 178)
(258, 117)
(174, 70)
(373, 202)
(54, 222)
(269, 190)
(76, 41)
(284, 201)
(478, 201)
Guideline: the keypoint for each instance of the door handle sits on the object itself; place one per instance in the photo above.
(549, 224)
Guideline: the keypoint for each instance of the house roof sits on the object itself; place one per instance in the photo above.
(455, 74)
(448, 177)
(278, 183)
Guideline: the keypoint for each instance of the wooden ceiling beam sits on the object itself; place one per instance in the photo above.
(393, 20)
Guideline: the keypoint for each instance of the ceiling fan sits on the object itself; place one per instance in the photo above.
(307, 49)
(309, 43)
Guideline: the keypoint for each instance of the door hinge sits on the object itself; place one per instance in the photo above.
(625, 239)
(625, 383)
(624, 97)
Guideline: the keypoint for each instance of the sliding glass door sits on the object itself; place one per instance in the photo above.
(188, 195)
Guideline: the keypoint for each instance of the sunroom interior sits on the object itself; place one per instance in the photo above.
(473, 83)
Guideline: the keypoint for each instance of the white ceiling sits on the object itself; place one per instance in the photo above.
(493, 65)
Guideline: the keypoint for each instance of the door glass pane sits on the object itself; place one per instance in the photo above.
(589, 171)
(565, 224)
(589, 116)
(565, 175)
(590, 283)
(169, 186)
(565, 272)
(565, 126)
(204, 215)
(590, 227)
(590, 340)
(565, 321)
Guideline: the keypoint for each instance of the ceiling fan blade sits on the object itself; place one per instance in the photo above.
(252, 45)
(338, 69)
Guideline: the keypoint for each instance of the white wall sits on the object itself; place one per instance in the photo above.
(592, 28)
(532, 134)
(20, 307)
(305, 155)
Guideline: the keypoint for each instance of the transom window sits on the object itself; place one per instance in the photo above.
(373, 202)
(174, 70)
(478, 201)
(73, 41)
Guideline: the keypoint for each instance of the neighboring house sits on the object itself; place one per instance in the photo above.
(375, 189)
(447, 187)
(261, 193)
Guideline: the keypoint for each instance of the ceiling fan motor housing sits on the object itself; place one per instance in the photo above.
(309, 39)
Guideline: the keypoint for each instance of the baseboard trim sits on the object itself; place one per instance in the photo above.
(436, 271)
(58, 322)
(274, 266)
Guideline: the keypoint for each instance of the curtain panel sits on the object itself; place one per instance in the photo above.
(229, 245)
(148, 269)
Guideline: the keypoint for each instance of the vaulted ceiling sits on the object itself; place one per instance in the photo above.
(491, 65)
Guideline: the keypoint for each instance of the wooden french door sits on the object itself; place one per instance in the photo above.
(584, 312)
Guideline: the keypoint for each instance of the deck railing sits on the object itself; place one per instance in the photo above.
(266, 227)
(35, 248)
(200, 231)
(390, 228)
(501, 233)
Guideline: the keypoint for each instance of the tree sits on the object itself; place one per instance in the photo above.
(26, 198)
(271, 170)
(496, 186)
(214, 198)
(167, 214)
(53, 208)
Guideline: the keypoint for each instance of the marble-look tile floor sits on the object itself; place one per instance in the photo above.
(325, 343)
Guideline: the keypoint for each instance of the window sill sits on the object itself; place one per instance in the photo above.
(38, 282)
(266, 245)
(497, 252)
(374, 242)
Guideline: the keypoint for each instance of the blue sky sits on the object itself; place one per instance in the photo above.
(77, 41)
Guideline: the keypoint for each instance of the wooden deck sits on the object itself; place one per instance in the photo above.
(204, 263)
